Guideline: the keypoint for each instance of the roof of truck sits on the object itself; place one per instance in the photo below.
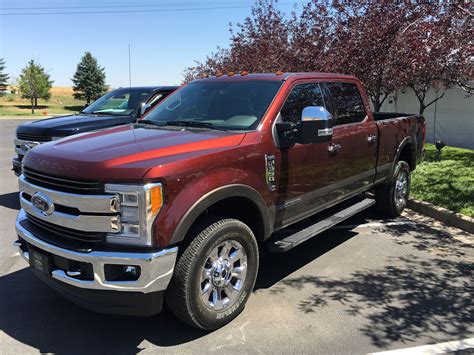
(279, 76)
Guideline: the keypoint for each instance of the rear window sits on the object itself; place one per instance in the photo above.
(347, 103)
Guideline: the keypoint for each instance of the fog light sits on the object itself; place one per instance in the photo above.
(131, 270)
(114, 272)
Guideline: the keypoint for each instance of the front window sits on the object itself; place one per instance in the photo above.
(233, 105)
(301, 96)
(121, 102)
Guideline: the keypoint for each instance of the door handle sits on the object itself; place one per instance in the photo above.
(371, 138)
(334, 148)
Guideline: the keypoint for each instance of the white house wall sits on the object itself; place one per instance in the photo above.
(454, 116)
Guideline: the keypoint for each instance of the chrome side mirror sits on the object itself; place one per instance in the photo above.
(316, 125)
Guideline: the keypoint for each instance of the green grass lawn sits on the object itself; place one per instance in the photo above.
(448, 183)
(60, 103)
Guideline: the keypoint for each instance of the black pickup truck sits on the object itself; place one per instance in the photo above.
(117, 107)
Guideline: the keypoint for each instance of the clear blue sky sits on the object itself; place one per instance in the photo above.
(162, 43)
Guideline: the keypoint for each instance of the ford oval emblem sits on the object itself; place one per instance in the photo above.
(25, 147)
(43, 203)
(28, 145)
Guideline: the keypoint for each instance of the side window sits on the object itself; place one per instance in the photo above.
(300, 97)
(347, 103)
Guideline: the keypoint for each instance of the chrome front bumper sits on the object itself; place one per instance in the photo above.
(156, 267)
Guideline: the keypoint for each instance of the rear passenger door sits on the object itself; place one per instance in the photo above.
(356, 134)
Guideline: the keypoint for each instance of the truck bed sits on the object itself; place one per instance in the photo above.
(394, 131)
(380, 116)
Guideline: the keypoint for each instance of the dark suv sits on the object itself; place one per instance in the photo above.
(115, 108)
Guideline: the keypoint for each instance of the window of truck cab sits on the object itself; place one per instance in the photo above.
(346, 104)
(301, 96)
(232, 105)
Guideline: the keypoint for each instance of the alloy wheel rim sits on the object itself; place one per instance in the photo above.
(401, 190)
(223, 275)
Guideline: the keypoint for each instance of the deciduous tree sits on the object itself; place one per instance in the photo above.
(89, 79)
(440, 51)
(389, 45)
(34, 83)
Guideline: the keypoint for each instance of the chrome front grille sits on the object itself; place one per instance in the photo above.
(61, 184)
(66, 216)
(58, 231)
(33, 137)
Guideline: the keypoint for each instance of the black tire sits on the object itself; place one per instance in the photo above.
(183, 295)
(385, 194)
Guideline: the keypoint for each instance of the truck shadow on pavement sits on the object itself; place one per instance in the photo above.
(35, 315)
(10, 201)
(409, 298)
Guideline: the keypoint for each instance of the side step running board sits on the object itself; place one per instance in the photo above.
(289, 242)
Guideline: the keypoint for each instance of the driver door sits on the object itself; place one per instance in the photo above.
(308, 172)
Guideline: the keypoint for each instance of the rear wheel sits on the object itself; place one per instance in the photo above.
(391, 197)
(214, 275)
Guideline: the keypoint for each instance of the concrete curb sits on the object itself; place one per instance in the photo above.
(443, 215)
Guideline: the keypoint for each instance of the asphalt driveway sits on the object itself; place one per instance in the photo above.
(370, 285)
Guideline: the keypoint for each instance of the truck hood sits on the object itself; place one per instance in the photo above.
(73, 124)
(125, 153)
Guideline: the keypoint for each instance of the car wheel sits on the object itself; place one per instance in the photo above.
(214, 275)
(392, 197)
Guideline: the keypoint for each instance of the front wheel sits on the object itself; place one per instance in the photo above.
(391, 197)
(214, 275)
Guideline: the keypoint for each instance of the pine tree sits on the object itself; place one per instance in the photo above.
(89, 79)
(3, 77)
(34, 84)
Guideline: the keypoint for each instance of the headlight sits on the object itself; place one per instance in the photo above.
(139, 205)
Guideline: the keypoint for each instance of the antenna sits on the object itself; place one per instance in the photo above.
(129, 68)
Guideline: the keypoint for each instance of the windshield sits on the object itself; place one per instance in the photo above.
(119, 102)
(238, 105)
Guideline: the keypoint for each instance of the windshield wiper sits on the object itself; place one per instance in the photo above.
(194, 124)
(100, 113)
(149, 122)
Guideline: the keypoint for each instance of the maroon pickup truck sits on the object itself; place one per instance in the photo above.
(177, 206)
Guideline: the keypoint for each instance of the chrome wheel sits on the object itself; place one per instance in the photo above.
(401, 190)
(223, 275)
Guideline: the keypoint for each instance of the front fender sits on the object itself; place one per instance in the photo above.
(203, 191)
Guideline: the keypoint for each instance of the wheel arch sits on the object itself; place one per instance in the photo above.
(232, 201)
(406, 152)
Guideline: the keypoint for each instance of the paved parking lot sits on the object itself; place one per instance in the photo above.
(370, 285)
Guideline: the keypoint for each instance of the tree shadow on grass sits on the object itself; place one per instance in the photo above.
(75, 109)
(28, 107)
